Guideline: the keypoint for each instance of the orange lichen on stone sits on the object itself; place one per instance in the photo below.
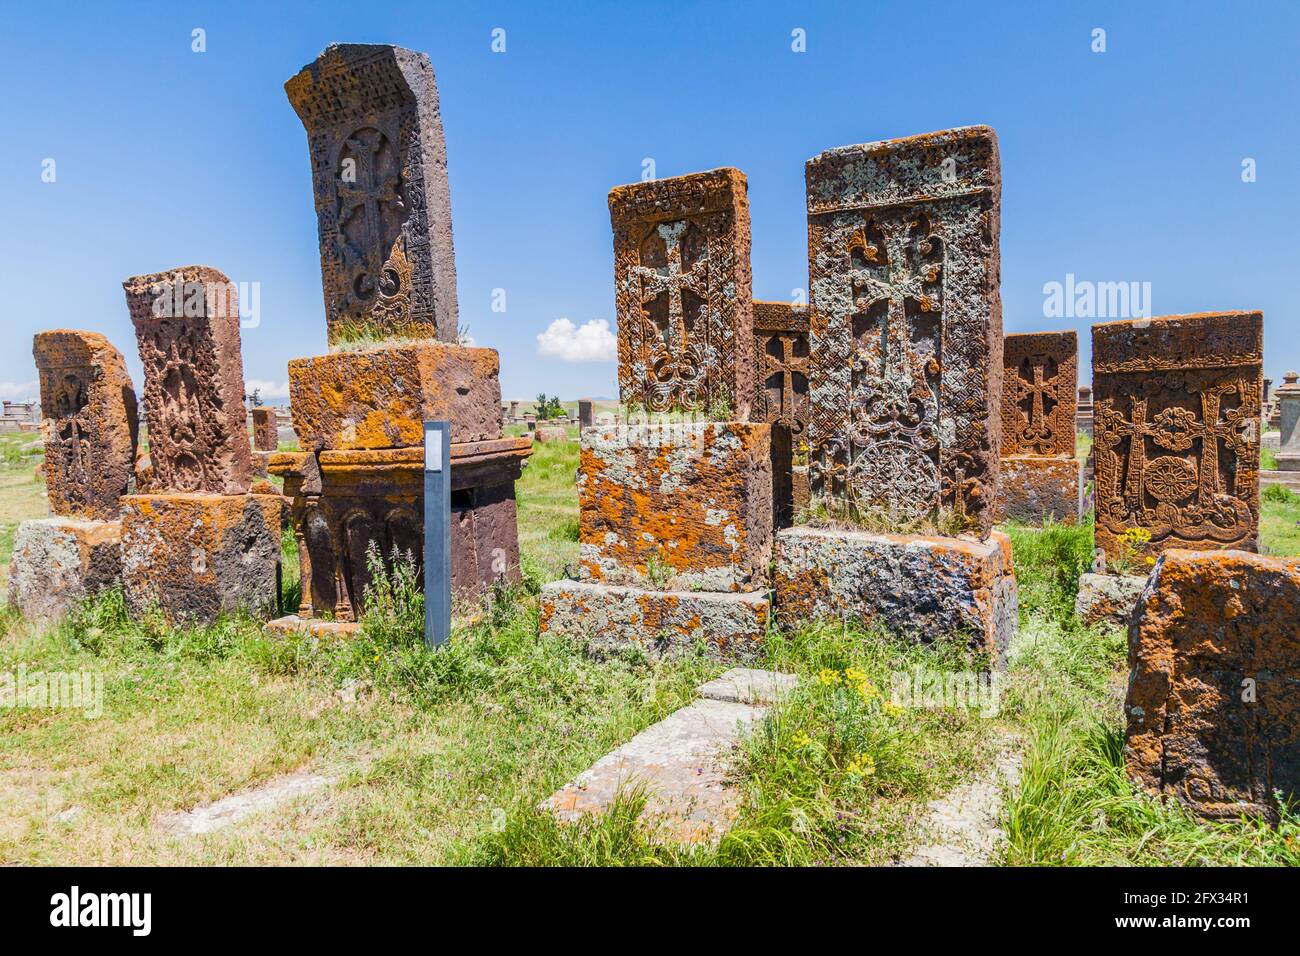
(381, 397)
(1213, 702)
(1033, 489)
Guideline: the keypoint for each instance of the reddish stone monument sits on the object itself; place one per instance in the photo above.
(266, 436)
(781, 362)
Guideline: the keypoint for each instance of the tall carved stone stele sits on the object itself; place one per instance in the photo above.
(187, 327)
(383, 206)
(906, 324)
(1177, 420)
(89, 423)
(781, 363)
(682, 292)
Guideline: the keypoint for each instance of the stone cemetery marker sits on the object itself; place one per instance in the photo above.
(906, 325)
(682, 293)
(187, 327)
(383, 206)
(266, 436)
(1040, 371)
(781, 363)
(1177, 421)
(1288, 404)
(586, 417)
(89, 425)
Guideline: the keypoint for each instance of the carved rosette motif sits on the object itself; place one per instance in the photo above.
(1039, 394)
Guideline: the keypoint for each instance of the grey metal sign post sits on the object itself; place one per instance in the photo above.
(437, 532)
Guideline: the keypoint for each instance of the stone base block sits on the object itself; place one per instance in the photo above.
(195, 556)
(1032, 489)
(730, 625)
(1108, 598)
(1213, 702)
(380, 398)
(294, 626)
(920, 588)
(677, 506)
(58, 562)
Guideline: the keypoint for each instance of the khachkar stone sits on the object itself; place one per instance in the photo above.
(187, 327)
(1177, 421)
(682, 293)
(586, 416)
(89, 425)
(383, 205)
(1214, 683)
(781, 362)
(266, 435)
(1040, 477)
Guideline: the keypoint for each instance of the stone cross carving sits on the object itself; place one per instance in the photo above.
(1177, 422)
(781, 363)
(906, 325)
(383, 205)
(1040, 372)
(682, 286)
(89, 423)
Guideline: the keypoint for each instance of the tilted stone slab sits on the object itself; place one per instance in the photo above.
(1033, 489)
(918, 588)
(1108, 598)
(58, 562)
(1213, 700)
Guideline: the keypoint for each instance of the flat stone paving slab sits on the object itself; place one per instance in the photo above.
(680, 762)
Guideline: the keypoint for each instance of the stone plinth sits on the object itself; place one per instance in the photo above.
(1032, 489)
(380, 398)
(1213, 701)
(343, 501)
(681, 507)
(59, 562)
(196, 556)
(1108, 598)
(730, 626)
(916, 587)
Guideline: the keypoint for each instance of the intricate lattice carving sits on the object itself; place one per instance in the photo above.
(1040, 372)
(781, 365)
(1177, 422)
(383, 206)
(682, 281)
(906, 324)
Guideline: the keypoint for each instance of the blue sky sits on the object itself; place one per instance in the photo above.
(1122, 166)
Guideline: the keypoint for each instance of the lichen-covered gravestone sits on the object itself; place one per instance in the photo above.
(905, 382)
(1040, 477)
(1177, 420)
(781, 363)
(90, 430)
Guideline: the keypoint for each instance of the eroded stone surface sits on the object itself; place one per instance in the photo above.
(1108, 598)
(906, 324)
(89, 423)
(730, 626)
(1040, 375)
(58, 562)
(266, 435)
(1213, 699)
(1177, 422)
(781, 363)
(233, 809)
(749, 685)
(682, 507)
(1032, 489)
(918, 588)
(380, 398)
(383, 205)
(187, 328)
(682, 293)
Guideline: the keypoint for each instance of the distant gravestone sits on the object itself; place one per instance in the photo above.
(383, 205)
(586, 410)
(906, 325)
(187, 327)
(266, 436)
(1040, 372)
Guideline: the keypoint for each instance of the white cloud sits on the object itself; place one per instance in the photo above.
(19, 391)
(590, 342)
(266, 389)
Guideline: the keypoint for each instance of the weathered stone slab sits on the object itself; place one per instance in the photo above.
(380, 398)
(682, 507)
(682, 293)
(1288, 419)
(545, 433)
(89, 423)
(731, 626)
(1032, 489)
(906, 325)
(1108, 598)
(781, 364)
(1177, 423)
(266, 436)
(383, 205)
(1213, 699)
(749, 685)
(918, 588)
(1040, 376)
(586, 413)
(59, 562)
(196, 556)
(187, 327)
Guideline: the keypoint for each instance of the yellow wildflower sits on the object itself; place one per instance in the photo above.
(861, 766)
(828, 677)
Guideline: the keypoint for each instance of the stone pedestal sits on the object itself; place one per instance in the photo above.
(1032, 489)
(1213, 701)
(59, 562)
(195, 556)
(921, 588)
(343, 501)
(1108, 598)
